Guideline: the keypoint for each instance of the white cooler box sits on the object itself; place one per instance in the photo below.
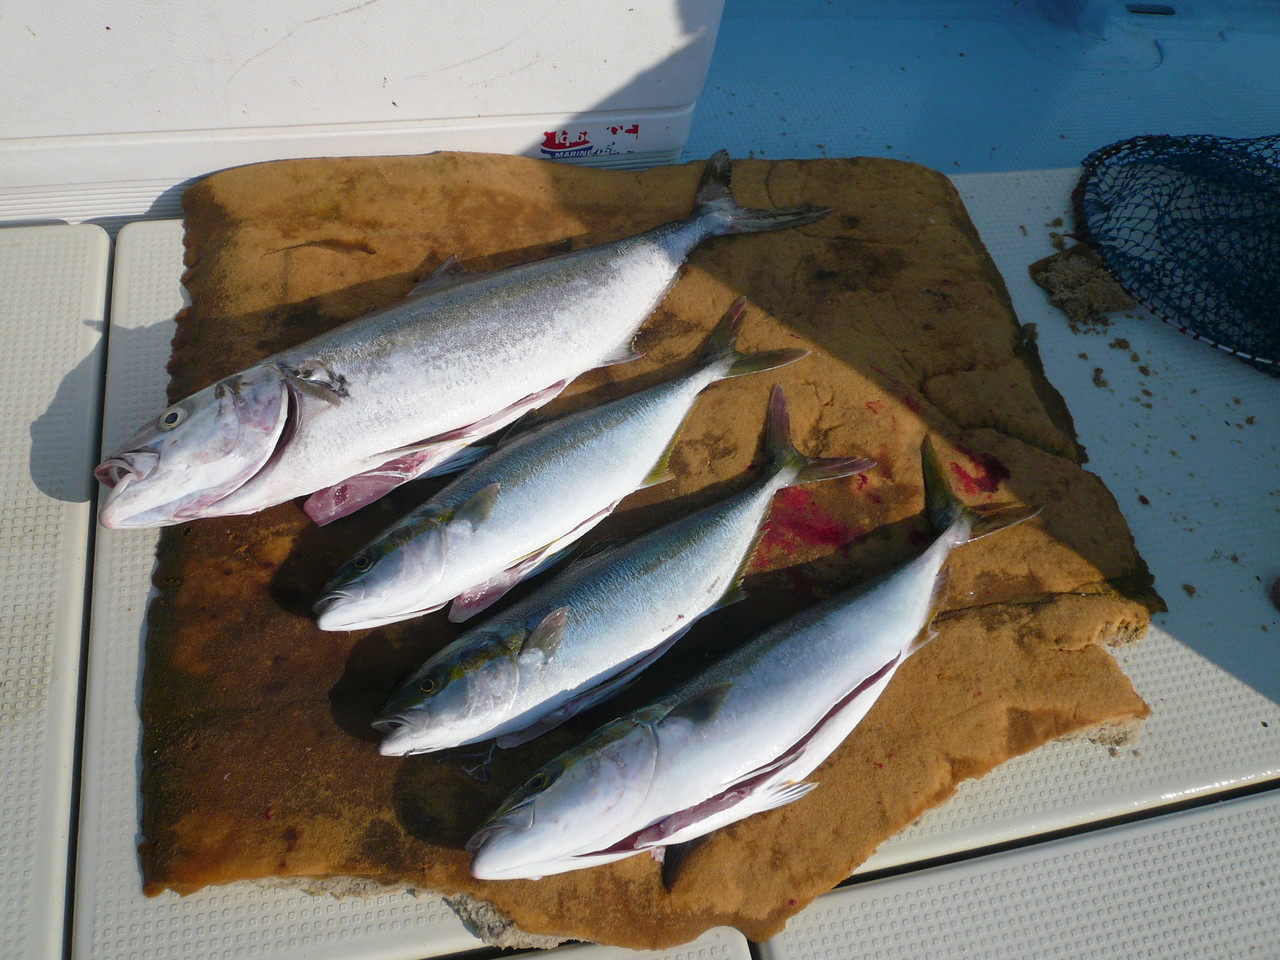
(123, 101)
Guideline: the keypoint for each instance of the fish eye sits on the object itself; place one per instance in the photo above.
(171, 418)
(428, 685)
(362, 562)
(538, 780)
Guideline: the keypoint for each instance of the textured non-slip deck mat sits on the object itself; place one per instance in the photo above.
(53, 284)
(259, 761)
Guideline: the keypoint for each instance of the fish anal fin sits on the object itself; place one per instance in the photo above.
(783, 793)
(730, 806)
(624, 354)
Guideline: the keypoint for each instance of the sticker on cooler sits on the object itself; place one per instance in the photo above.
(563, 143)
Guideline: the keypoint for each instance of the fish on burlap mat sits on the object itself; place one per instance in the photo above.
(259, 761)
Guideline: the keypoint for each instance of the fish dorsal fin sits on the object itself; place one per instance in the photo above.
(702, 706)
(546, 636)
(476, 509)
(448, 274)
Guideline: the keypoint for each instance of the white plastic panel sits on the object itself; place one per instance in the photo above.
(1197, 436)
(1191, 886)
(112, 917)
(1203, 668)
(53, 284)
(718, 943)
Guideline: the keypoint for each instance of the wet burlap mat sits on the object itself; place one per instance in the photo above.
(259, 761)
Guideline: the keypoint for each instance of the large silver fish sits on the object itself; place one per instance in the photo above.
(524, 504)
(593, 628)
(738, 739)
(385, 398)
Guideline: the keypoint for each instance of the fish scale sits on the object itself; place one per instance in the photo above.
(510, 514)
(741, 737)
(617, 611)
(392, 395)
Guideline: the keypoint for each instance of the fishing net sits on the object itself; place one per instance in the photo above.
(1190, 227)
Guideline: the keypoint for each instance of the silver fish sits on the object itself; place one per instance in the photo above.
(741, 737)
(522, 506)
(356, 411)
(593, 628)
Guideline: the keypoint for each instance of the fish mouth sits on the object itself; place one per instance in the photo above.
(390, 724)
(483, 835)
(328, 610)
(126, 466)
(398, 740)
(514, 820)
(330, 615)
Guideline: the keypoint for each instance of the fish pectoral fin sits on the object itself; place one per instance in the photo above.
(477, 508)
(702, 706)
(611, 687)
(545, 638)
(449, 273)
(318, 381)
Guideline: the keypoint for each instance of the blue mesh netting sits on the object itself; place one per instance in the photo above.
(1190, 227)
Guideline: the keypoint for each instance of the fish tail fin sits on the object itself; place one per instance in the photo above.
(947, 512)
(782, 458)
(721, 352)
(714, 199)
